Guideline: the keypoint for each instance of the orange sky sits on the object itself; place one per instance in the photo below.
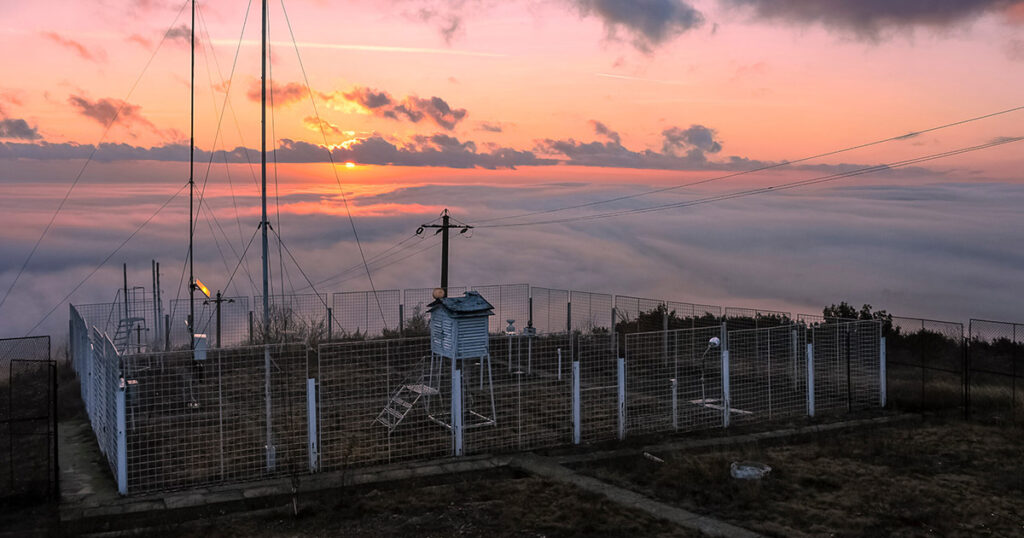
(566, 99)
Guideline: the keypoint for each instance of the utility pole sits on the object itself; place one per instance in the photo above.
(220, 299)
(443, 229)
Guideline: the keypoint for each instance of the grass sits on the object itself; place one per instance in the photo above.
(945, 479)
(516, 507)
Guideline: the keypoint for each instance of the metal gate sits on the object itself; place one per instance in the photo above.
(28, 419)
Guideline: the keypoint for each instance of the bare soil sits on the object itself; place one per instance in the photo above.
(931, 479)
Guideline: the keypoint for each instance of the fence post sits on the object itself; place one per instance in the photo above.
(794, 368)
(559, 364)
(330, 323)
(568, 316)
(726, 398)
(621, 367)
(311, 433)
(251, 341)
(881, 372)
(457, 406)
(576, 410)
(664, 334)
(167, 332)
(810, 379)
(966, 343)
(675, 404)
(122, 440)
(270, 449)
(615, 336)
(401, 319)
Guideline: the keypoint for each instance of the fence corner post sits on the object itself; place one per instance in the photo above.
(810, 380)
(881, 372)
(122, 440)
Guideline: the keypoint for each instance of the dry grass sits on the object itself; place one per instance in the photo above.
(953, 479)
(480, 506)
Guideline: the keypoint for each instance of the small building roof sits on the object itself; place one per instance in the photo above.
(471, 304)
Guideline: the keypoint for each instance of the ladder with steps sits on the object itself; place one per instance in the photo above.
(402, 402)
(123, 336)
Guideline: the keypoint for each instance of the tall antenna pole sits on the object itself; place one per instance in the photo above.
(191, 188)
(264, 225)
(263, 173)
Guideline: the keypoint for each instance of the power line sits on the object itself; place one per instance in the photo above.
(89, 159)
(106, 259)
(379, 257)
(758, 169)
(762, 190)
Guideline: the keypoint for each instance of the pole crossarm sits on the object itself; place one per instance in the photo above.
(443, 229)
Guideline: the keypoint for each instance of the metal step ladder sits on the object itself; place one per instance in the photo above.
(123, 335)
(402, 402)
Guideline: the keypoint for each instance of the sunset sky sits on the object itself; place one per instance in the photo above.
(495, 109)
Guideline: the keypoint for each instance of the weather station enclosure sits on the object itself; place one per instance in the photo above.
(447, 383)
(458, 333)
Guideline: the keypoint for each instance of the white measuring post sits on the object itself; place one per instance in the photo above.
(621, 366)
(726, 397)
(314, 452)
(576, 410)
(122, 441)
(457, 407)
(881, 372)
(810, 380)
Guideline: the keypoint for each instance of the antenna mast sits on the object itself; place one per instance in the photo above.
(264, 225)
(263, 173)
(191, 188)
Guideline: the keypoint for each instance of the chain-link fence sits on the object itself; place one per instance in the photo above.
(995, 371)
(28, 419)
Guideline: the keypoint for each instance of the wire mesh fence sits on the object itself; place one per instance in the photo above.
(846, 364)
(674, 380)
(529, 384)
(925, 363)
(549, 310)
(186, 418)
(364, 389)
(590, 312)
(768, 373)
(365, 314)
(995, 370)
(510, 301)
(750, 318)
(191, 422)
(28, 386)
